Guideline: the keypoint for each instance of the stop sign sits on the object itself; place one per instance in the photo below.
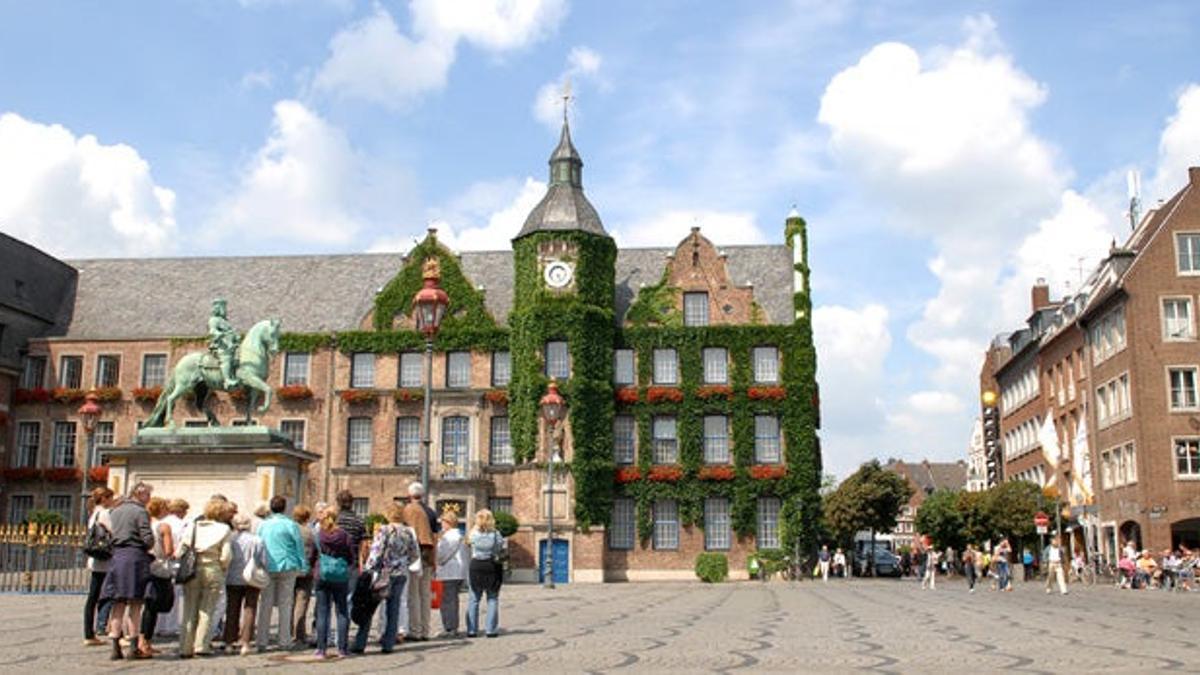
(1041, 519)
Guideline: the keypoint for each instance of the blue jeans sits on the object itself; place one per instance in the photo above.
(493, 612)
(335, 593)
(1002, 568)
(391, 624)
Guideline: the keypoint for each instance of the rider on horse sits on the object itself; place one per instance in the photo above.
(223, 342)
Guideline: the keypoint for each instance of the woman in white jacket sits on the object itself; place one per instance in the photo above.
(451, 569)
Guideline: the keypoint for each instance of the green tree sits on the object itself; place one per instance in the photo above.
(972, 507)
(1009, 509)
(941, 518)
(870, 499)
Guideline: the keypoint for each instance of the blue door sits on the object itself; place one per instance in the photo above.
(561, 557)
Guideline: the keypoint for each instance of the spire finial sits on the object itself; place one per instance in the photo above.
(566, 97)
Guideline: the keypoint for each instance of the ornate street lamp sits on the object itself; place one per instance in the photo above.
(429, 307)
(553, 411)
(89, 413)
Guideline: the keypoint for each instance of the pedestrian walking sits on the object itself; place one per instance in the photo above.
(129, 569)
(823, 560)
(208, 539)
(99, 532)
(839, 564)
(486, 573)
(1003, 570)
(931, 568)
(1054, 569)
(970, 558)
(244, 581)
(419, 608)
(335, 557)
(451, 570)
(393, 549)
(285, 561)
(302, 592)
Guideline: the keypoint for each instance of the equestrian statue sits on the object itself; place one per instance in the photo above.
(231, 363)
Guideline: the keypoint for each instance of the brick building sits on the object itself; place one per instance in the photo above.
(688, 373)
(924, 477)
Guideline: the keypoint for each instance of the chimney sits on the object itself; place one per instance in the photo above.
(1040, 295)
(1194, 175)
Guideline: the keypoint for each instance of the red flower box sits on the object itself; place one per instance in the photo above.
(108, 394)
(768, 471)
(628, 474)
(716, 473)
(146, 394)
(665, 474)
(626, 395)
(62, 475)
(22, 473)
(68, 395)
(715, 391)
(661, 394)
(98, 474)
(766, 393)
(294, 392)
(358, 395)
(496, 396)
(38, 395)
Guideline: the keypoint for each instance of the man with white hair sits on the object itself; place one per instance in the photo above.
(420, 517)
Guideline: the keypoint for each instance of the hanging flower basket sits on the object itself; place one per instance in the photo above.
(63, 475)
(664, 394)
(715, 391)
(294, 392)
(716, 473)
(410, 395)
(496, 396)
(353, 396)
(38, 395)
(665, 474)
(68, 394)
(108, 394)
(98, 474)
(768, 471)
(22, 473)
(146, 394)
(628, 474)
(766, 393)
(626, 395)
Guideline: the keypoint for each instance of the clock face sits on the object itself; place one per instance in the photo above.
(558, 274)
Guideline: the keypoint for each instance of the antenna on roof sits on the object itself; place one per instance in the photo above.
(1133, 181)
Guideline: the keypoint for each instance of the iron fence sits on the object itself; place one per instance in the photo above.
(43, 559)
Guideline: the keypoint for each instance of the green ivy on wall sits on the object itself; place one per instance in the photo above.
(655, 305)
(466, 303)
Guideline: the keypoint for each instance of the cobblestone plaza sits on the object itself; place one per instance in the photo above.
(882, 626)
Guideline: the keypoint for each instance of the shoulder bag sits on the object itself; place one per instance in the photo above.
(334, 570)
(184, 567)
(254, 575)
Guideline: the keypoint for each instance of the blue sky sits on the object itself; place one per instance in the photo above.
(945, 155)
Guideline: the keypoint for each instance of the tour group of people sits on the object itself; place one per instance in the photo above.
(227, 580)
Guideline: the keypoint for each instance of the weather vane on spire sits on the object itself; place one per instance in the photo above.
(566, 97)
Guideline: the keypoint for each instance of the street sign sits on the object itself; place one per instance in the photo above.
(1041, 520)
(1043, 529)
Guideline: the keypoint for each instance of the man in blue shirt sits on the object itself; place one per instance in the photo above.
(285, 561)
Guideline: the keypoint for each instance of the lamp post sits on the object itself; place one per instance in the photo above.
(89, 412)
(553, 409)
(429, 307)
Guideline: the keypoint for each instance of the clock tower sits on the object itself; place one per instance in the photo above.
(563, 328)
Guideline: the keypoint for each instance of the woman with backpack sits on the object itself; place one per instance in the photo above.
(393, 549)
(99, 547)
(486, 573)
(335, 556)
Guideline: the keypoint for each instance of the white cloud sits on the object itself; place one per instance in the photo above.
(257, 79)
(583, 66)
(74, 196)
(373, 60)
(669, 227)
(1178, 148)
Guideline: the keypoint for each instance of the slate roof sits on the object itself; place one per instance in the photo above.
(930, 476)
(171, 297)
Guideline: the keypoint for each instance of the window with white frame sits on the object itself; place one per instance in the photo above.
(1118, 466)
(458, 370)
(154, 370)
(558, 360)
(1107, 336)
(361, 506)
(501, 369)
(1112, 401)
(408, 441)
(63, 450)
(455, 440)
(1131, 471)
(358, 441)
(716, 439)
(1187, 457)
(362, 370)
(295, 368)
(695, 309)
(29, 441)
(623, 440)
(60, 504)
(1177, 319)
(105, 438)
(666, 525)
(666, 446)
(623, 367)
(108, 370)
(716, 365)
(412, 368)
(1187, 248)
(718, 535)
(766, 439)
(70, 372)
(1183, 388)
(33, 372)
(768, 522)
(621, 532)
(500, 504)
(294, 430)
(502, 450)
(766, 365)
(19, 507)
(666, 367)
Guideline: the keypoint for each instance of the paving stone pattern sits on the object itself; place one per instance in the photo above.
(881, 626)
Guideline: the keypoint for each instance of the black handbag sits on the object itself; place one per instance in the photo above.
(184, 567)
(160, 595)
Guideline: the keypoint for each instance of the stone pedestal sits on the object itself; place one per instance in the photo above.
(247, 465)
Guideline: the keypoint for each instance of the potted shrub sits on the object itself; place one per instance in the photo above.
(712, 567)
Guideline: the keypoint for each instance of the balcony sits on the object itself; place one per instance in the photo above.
(465, 471)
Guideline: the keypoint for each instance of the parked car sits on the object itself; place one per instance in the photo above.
(886, 564)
